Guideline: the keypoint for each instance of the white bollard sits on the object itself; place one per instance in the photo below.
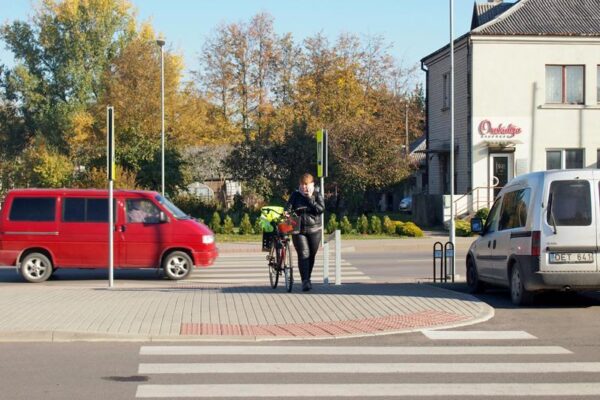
(338, 257)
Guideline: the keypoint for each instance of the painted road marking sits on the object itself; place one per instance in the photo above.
(478, 335)
(370, 390)
(346, 350)
(368, 368)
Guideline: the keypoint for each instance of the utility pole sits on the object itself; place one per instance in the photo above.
(161, 43)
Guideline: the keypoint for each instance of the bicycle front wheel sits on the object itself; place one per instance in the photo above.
(273, 267)
(288, 268)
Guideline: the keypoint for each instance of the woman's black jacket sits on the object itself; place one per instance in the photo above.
(310, 218)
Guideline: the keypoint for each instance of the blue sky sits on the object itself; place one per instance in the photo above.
(414, 27)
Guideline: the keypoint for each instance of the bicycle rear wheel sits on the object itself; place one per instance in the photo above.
(273, 264)
(288, 268)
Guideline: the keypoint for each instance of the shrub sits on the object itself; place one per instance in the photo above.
(389, 226)
(227, 225)
(345, 225)
(482, 213)
(332, 225)
(245, 225)
(257, 225)
(375, 227)
(195, 206)
(409, 229)
(362, 225)
(215, 223)
(462, 228)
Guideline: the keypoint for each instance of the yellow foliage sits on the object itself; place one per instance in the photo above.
(97, 178)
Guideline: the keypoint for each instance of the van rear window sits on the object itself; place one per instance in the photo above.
(571, 203)
(34, 209)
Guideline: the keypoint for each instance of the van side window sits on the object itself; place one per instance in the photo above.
(142, 211)
(514, 209)
(35, 209)
(571, 203)
(85, 210)
(491, 224)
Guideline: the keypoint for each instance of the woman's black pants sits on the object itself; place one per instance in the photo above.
(307, 245)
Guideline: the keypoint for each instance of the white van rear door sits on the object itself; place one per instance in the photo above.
(569, 236)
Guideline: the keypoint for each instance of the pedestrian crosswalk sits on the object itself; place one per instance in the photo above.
(325, 371)
(251, 268)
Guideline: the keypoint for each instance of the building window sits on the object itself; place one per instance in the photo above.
(564, 84)
(564, 159)
(446, 91)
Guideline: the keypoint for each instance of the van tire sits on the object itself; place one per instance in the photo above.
(36, 267)
(177, 265)
(474, 285)
(518, 294)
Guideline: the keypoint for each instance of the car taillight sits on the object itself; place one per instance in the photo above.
(535, 243)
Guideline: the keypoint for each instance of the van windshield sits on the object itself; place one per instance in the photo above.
(571, 203)
(173, 209)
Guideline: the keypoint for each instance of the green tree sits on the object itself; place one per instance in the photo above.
(332, 225)
(345, 225)
(375, 225)
(245, 225)
(215, 223)
(362, 225)
(228, 225)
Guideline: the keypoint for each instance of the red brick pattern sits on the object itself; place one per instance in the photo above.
(423, 319)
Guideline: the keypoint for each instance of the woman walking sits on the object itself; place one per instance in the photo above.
(309, 205)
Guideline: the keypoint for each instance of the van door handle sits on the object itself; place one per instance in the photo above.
(489, 243)
(120, 228)
(494, 244)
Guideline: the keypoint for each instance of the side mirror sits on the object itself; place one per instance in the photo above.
(477, 225)
(163, 217)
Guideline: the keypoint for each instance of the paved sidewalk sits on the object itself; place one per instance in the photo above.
(168, 311)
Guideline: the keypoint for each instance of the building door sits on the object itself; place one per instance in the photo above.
(501, 168)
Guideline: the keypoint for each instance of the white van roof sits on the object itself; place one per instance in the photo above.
(541, 176)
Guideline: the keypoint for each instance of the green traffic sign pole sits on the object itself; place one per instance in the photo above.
(321, 173)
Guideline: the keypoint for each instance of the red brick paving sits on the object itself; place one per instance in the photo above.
(423, 319)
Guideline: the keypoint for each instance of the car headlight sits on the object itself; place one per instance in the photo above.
(208, 239)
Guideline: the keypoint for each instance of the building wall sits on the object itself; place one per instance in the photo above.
(439, 119)
(509, 85)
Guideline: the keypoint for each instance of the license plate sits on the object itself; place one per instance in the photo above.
(571, 258)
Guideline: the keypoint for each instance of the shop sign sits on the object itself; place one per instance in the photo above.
(491, 130)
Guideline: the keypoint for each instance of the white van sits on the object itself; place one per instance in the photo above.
(541, 234)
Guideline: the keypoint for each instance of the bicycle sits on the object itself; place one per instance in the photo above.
(277, 243)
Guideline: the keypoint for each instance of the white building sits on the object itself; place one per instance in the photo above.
(527, 96)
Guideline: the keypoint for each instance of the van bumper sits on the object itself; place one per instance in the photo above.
(205, 258)
(537, 280)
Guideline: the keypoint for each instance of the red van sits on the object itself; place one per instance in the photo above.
(45, 229)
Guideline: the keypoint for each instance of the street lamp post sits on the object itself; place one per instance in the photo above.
(161, 43)
(452, 216)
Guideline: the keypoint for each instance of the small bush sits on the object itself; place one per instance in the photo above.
(362, 225)
(375, 227)
(389, 226)
(483, 213)
(345, 225)
(227, 225)
(257, 226)
(462, 228)
(409, 229)
(332, 225)
(245, 225)
(215, 223)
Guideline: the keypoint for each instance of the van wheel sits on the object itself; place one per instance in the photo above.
(177, 265)
(518, 294)
(474, 285)
(36, 267)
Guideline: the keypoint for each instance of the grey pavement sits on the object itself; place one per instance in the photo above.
(155, 309)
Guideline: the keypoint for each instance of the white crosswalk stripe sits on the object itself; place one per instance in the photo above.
(199, 372)
(251, 268)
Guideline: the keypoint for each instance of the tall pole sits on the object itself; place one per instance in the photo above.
(110, 171)
(452, 216)
(406, 126)
(161, 44)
